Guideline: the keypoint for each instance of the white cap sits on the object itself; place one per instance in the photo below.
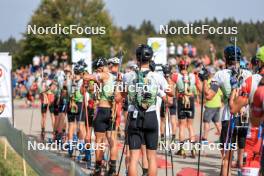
(113, 60)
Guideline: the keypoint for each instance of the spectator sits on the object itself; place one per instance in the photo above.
(172, 50)
(36, 63)
(212, 110)
(179, 50)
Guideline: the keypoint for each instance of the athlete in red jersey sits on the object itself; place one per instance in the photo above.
(252, 93)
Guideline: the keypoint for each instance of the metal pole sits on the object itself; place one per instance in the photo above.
(13, 116)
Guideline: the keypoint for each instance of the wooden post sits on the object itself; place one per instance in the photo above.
(5, 149)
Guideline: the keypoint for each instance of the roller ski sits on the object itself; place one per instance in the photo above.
(181, 152)
(112, 169)
(193, 153)
(70, 149)
(80, 149)
(88, 159)
(59, 138)
(98, 170)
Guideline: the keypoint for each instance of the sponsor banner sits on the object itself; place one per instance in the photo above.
(5, 86)
(81, 48)
(159, 46)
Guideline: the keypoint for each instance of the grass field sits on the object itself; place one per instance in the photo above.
(13, 165)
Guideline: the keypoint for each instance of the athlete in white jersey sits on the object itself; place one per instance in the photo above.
(224, 79)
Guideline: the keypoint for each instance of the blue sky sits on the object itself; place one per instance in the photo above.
(14, 14)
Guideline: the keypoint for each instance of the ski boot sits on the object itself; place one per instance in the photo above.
(162, 138)
(70, 149)
(42, 134)
(144, 172)
(55, 134)
(204, 141)
(75, 138)
(88, 158)
(239, 172)
(174, 141)
(58, 138)
(112, 168)
(98, 169)
(81, 150)
(181, 152)
(50, 140)
(193, 151)
(63, 137)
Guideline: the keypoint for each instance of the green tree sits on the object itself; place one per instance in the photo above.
(90, 13)
(147, 28)
(10, 45)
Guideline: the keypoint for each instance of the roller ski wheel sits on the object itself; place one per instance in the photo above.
(182, 153)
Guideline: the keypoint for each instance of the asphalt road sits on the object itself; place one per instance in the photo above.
(210, 160)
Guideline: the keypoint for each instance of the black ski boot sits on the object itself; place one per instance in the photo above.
(112, 168)
(162, 138)
(98, 168)
(144, 172)
(181, 152)
(42, 134)
(193, 152)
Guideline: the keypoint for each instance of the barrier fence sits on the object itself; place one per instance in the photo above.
(41, 161)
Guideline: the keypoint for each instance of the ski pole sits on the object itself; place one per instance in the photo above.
(200, 135)
(169, 118)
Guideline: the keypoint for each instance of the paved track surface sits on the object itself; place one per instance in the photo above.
(210, 160)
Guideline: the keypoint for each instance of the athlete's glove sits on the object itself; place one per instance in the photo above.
(152, 66)
(203, 74)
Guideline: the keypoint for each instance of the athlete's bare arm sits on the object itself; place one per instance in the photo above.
(98, 77)
(236, 102)
(208, 92)
(170, 89)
